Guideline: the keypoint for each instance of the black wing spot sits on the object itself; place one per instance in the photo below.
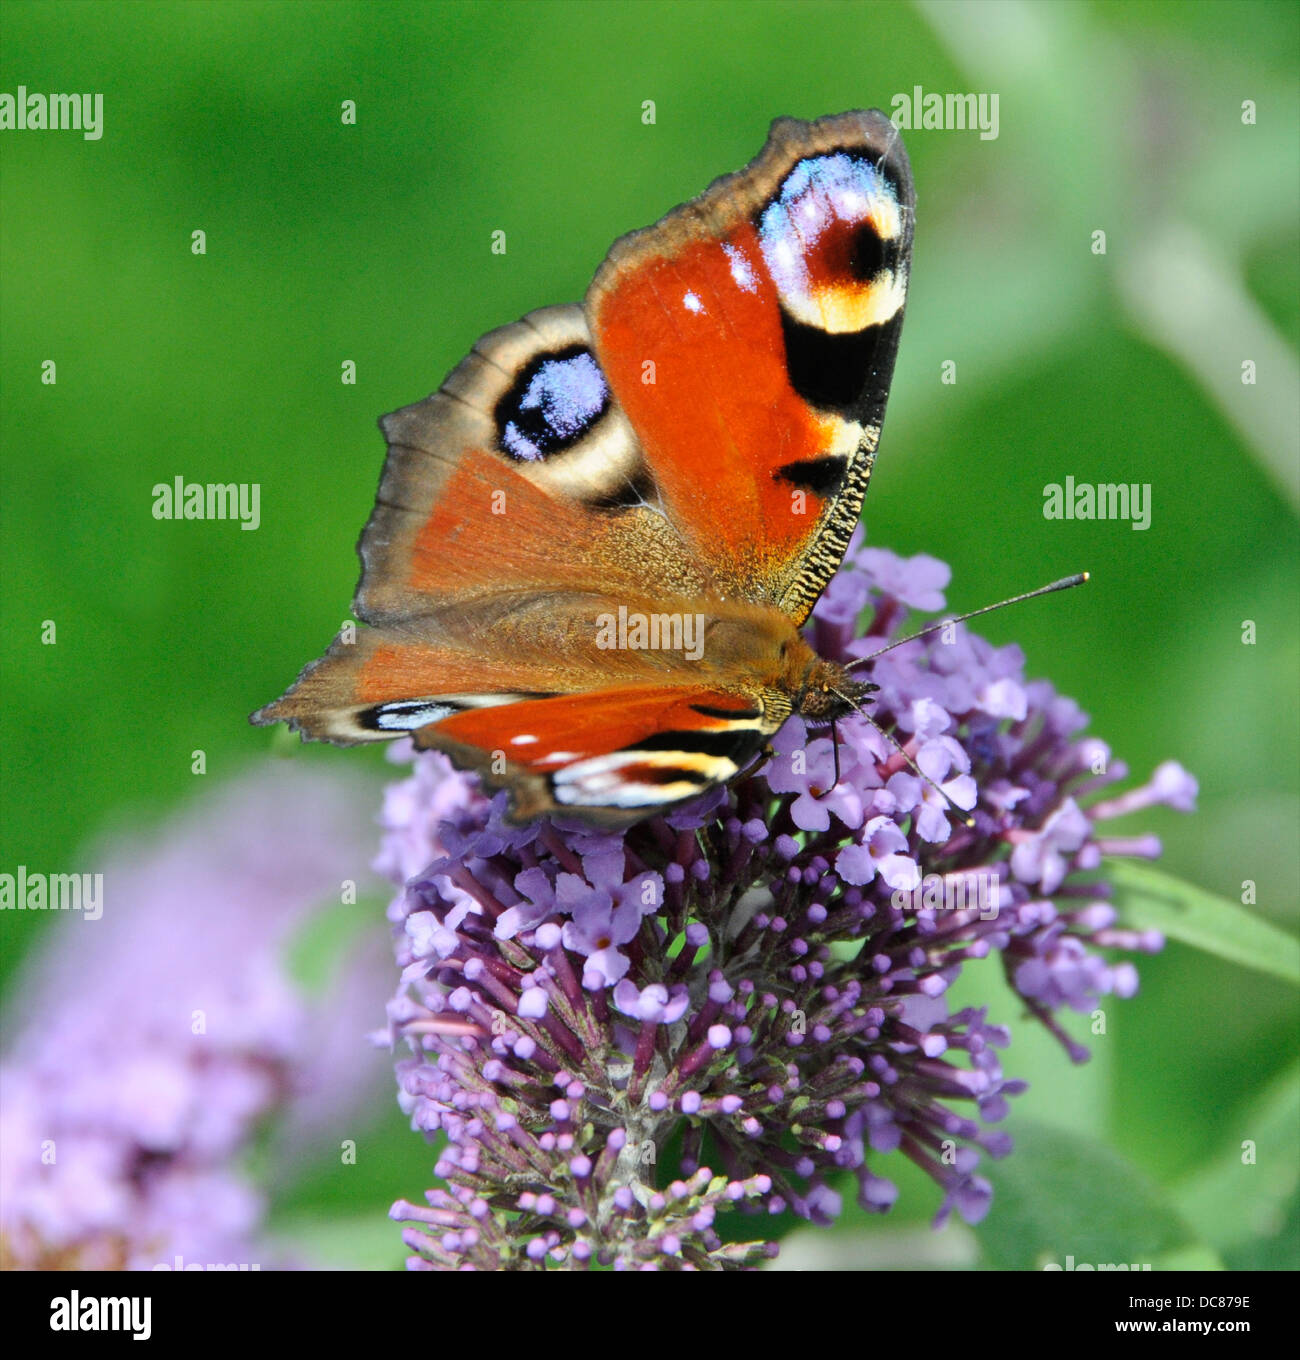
(821, 476)
(637, 490)
(738, 714)
(871, 254)
(406, 715)
(834, 372)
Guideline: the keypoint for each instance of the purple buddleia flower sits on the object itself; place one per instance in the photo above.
(154, 1044)
(595, 929)
(760, 977)
(880, 849)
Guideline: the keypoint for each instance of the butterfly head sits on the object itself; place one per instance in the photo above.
(829, 692)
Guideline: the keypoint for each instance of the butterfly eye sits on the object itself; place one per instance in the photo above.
(556, 400)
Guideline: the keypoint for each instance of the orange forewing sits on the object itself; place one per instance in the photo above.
(492, 529)
(720, 416)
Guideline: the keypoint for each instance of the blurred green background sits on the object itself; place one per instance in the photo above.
(371, 243)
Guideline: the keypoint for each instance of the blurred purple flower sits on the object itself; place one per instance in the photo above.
(154, 1043)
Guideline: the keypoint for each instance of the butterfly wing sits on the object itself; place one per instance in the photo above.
(750, 339)
(609, 734)
(506, 524)
(515, 479)
(612, 756)
(709, 419)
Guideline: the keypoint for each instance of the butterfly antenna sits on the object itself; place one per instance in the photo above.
(963, 816)
(1065, 583)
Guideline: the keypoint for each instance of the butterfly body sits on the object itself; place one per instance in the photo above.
(594, 546)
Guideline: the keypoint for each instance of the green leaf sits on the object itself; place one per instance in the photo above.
(1059, 1196)
(1153, 900)
(1244, 1193)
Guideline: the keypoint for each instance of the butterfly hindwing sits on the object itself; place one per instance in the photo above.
(612, 756)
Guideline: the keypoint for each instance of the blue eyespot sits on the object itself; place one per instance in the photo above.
(834, 240)
(554, 401)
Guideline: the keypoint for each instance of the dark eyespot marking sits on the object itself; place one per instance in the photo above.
(821, 476)
(836, 211)
(738, 714)
(406, 715)
(639, 490)
(832, 371)
(870, 254)
(409, 715)
(736, 746)
(552, 403)
(835, 238)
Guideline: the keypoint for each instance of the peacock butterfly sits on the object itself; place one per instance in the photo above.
(593, 547)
